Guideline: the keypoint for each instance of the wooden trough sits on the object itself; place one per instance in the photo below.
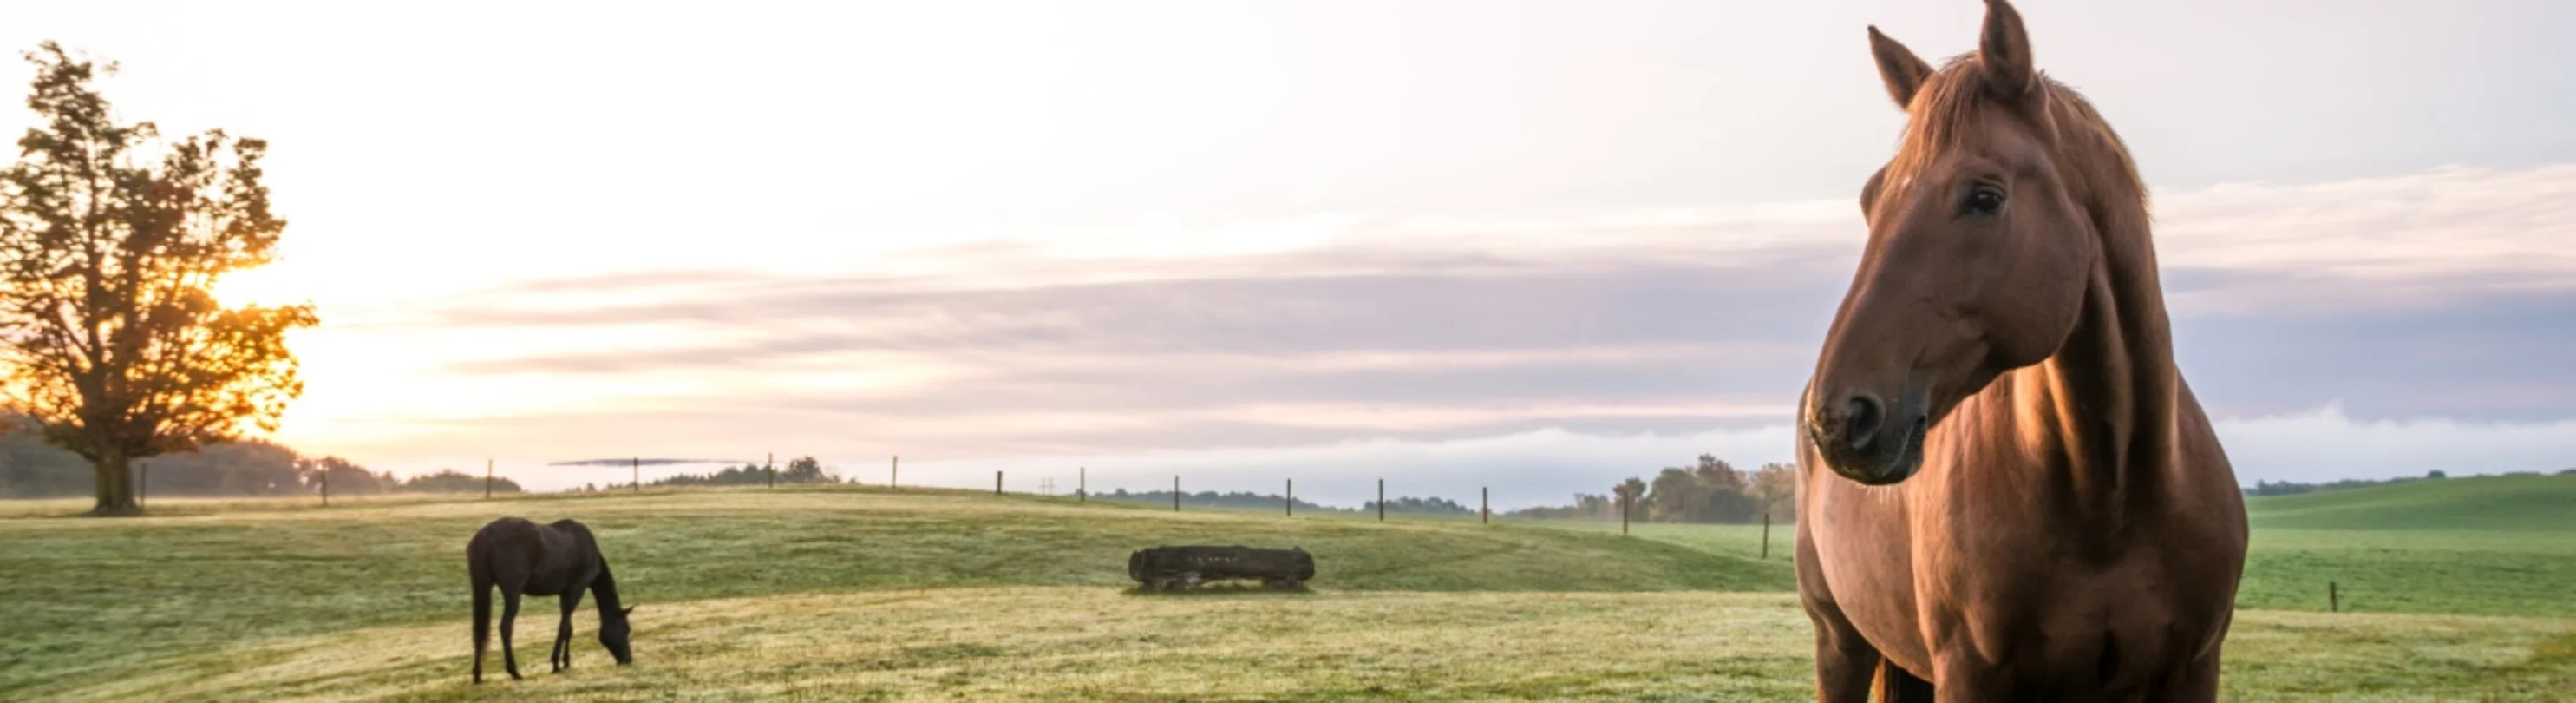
(1172, 568)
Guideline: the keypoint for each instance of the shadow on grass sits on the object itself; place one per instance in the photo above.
(1236, 590)
(2558, 653)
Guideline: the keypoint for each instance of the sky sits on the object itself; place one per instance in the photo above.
(1536, 246)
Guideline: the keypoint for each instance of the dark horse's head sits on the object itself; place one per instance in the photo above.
(1979, 253)
(614, 634)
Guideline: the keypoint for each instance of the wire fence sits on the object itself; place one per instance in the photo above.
(1615, 506)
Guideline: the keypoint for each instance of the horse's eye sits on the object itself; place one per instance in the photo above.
(1984, 200)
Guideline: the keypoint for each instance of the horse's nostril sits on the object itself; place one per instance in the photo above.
(1860, 423)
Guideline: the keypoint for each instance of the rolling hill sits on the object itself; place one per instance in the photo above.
(2524, 502)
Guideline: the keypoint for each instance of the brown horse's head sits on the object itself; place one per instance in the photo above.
(615, 634)
(1978, 257)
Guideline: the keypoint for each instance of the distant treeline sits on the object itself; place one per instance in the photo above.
(1213, 499)
(1709, 491)
(2285, 488)
(805, 469)
(1274, 501)
(30, 468)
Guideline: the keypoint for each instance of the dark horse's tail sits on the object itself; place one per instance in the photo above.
(478, 565)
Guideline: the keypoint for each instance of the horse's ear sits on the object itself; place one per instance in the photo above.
(2003, 53)
(626, 611)
(1903, 72)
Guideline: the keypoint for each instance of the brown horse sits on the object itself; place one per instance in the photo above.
(2025, 502)
(525, 558)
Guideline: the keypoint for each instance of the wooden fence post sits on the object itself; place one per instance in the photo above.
(2334, 600)
(326, 488)
(1176, 493)
(997, 483)
(894, 473)
(142, 486)
(1381, 500)
(487, 479)
(638, 468)
(1766, 534)
(772, 464)
(1485, 505)
(1082, 484)
(1623, 512)
(1292, 497)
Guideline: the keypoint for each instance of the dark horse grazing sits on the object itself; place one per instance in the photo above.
(525, 558)
(2025, 502)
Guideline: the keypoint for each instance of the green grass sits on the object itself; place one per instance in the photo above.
(2522, 573)
(867, 595)
(2486, 545)
(2502, 545)
(2527, 503)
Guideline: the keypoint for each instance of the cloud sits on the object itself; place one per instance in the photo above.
(1670, 323)
(2327, 444)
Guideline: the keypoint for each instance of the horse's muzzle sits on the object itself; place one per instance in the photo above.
(1867, 439)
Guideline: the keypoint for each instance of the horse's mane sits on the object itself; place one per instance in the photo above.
(1954, 98)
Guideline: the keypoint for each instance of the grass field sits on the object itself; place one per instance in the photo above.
(865, 595)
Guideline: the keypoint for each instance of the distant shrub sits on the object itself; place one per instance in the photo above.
(452, 481)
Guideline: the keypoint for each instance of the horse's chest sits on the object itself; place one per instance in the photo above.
(2062, 624)
(1958, 583)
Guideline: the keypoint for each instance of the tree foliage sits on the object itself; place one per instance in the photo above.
(805, 469)
(799, 470)
(1708, 490)
(453, 481)
(115, 342)
(1213, 499)
(344, 478)
(30, 468)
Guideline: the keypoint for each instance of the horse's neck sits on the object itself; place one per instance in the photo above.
(604, 589)
(2105, 400)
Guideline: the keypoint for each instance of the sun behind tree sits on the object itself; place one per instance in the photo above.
(114, 342)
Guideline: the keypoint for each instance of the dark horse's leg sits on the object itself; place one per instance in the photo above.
(563, 630)
(509, 614)
(1897, 686)
(482, 619)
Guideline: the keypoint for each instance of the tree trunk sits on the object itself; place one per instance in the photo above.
(115, 487)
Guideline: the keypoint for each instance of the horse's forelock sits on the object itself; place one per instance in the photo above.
(1944, 112)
